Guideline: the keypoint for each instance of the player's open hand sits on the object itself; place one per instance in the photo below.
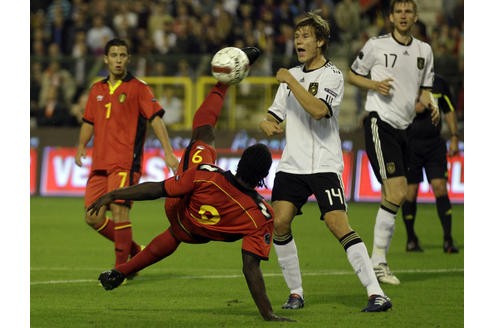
(384, 87)
(453, 146)
(81, 153)
(104, 200)
(271, 128)
(172, 162)
(435, 114)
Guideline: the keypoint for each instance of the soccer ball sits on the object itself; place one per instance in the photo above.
(230, 65)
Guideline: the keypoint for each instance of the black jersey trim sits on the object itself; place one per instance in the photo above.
(330, 110)
(401, 43)
(358, 73)
(89, 122)
(312, 70)
(160, 113)
(275, 116)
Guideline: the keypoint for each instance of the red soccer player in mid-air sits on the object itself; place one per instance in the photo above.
(204, 203)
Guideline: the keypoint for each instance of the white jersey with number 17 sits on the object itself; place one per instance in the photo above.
(312, 146)
(409, 65)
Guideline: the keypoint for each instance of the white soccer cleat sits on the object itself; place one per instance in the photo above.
(384, 275)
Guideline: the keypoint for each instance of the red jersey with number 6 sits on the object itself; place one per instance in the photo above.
(119, 115)
(213, 205)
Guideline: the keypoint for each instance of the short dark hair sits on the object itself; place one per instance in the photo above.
(115, 42)
(321, 27)
(254, 165)
(394, 2)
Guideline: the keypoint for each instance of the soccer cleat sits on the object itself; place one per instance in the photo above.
(378, 303)
(111, 279)
(413, 246)
(384, 275)
(252, 53)
(294, 301)
(449, 248)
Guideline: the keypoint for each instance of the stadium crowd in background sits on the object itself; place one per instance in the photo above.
(72, 33)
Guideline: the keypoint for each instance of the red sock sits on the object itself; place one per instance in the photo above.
(123, 241)
(208, 112)
(107, 231)
(160, 247)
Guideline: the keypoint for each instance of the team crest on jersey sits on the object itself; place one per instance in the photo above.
(99, 98)
(313, 88)
(122, 97)
(421, 62)
(391, 168)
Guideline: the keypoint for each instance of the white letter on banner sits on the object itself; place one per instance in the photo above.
(154, 170)
(62, 169)
(79, 175)
(375, 185)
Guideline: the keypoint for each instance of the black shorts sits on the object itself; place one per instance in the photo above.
(296, 188)
(386, 148)
(430, 154)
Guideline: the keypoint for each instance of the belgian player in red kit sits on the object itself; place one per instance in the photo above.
(205, 203)
(116, 115)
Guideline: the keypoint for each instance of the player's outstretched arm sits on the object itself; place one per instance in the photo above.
(256, 284)
(142, 191)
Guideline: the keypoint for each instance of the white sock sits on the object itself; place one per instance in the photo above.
(289, 263)
(384, 230)
(359, 259)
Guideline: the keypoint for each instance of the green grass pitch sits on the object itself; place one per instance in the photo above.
(203, 286)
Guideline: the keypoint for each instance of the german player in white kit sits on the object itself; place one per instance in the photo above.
(308, 101)
(397, 70)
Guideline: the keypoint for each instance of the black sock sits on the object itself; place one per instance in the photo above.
(409, 216)
(444, 210)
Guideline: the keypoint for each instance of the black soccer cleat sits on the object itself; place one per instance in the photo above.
(378, 303)
(413, 246)
(252, 53)
(449, 247)
(111, 279)
(294, 302)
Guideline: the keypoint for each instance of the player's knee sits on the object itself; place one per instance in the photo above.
(94, 221)
(439, 187)
(337, 222)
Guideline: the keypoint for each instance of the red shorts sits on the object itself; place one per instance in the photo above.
(100, 182)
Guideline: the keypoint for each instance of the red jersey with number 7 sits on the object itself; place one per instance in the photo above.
(119, 115)
(213, 205)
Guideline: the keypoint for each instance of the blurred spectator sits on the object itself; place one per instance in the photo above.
(125, 21)
(98, 35)
(186, 42)
(55, 77)
(35, 90)
(62, 7)
(173, 106)
(348, 20)
(59, 30)
(80, 64)
(164, 37)
(159, 15)
(55, 111)
(184, 69)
